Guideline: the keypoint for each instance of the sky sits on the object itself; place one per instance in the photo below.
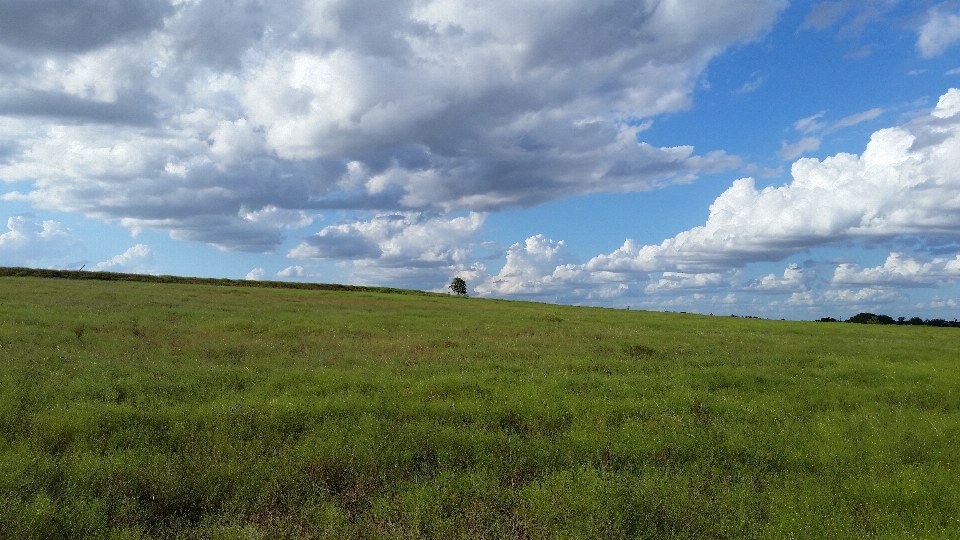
(776, 159)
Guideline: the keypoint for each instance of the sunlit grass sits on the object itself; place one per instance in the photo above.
(148, 410)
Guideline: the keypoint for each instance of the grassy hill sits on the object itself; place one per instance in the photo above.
(139, 409)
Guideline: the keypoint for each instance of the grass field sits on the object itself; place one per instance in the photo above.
(152, 410)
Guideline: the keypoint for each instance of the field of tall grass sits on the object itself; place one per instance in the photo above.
(154, 410)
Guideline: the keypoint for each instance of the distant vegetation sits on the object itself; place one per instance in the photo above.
(870, 318)
(148, 278)
(458, 286)
(147, 409)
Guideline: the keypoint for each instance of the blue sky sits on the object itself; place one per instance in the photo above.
(752, 157)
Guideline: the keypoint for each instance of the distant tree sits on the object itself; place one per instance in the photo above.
(870, 318)
(458, 286)
(885, 319)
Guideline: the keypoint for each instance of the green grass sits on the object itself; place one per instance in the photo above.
(154, 410)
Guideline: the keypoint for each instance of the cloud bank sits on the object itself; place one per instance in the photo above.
(198, 117)
(904, 187)
(906, 182)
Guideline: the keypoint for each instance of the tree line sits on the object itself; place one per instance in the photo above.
(871, 318)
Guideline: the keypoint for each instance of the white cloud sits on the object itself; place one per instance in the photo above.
(292, 272)
(210, 118)
(538, 267)
(136, 259)
(28, 242)
(673, 282)
(939, 32)
(940, 303)
(408, 239)
(813, 124)
(854, 119)
(298, 272)
(810, 123)
(256, 274)
(804, 299)
(865, 296)
(955, 71)
(397, 248)
(906, 182)
(794, 279)
(277, 217)
(797, 149)
(609, 292)
(902, 271)
(751, 86)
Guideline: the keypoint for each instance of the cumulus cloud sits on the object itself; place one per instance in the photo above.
(904, 187)
(537, 267)
(137, 259)
(940, 303)
(256, 274)
(28, 242)
(673, 282)
(801, 299)
(864, 296)
(398, 248)
(292, 271)
(297, 272)
(900, 270)
(906, 182)
(409, 239)
(794, 279)
(225, 121)
(940, 31)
